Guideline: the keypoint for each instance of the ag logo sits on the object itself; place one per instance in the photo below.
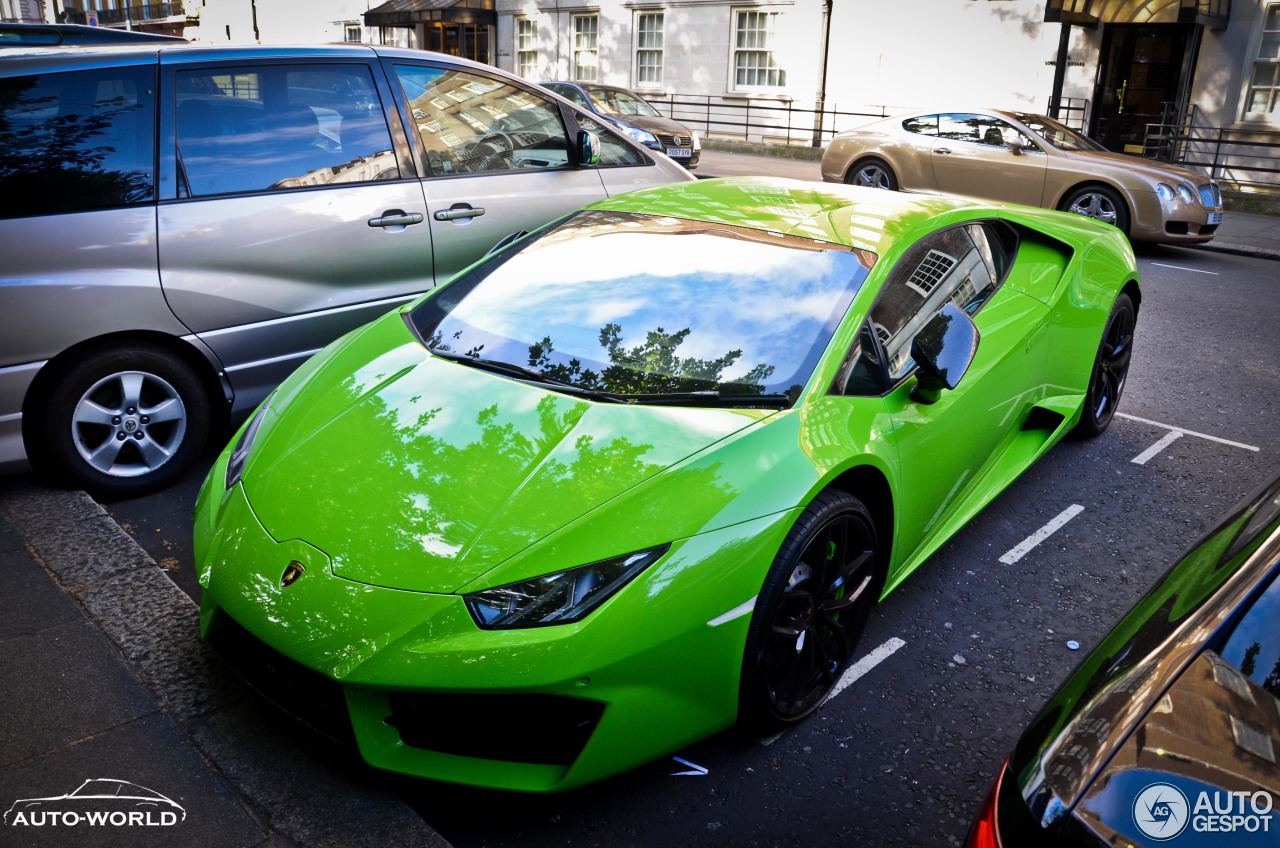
(1160, 811)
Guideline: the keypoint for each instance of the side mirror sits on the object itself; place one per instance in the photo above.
(588, 149)
(943, 351)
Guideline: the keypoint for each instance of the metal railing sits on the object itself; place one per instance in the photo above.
(1244, 158)
(777, 122)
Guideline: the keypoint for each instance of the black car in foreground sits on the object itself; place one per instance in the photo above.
(1169, 732)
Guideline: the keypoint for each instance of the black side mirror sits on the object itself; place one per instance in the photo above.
(943, 351)
(588, 149)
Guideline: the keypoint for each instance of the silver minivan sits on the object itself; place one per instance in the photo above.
(181, 226)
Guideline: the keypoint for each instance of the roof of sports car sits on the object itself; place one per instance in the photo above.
(864, 218)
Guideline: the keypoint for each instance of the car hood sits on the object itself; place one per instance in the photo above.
(1154, 171)
(666, 126)
(413, 472)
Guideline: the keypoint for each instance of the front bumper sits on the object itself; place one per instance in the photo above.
(428, 693)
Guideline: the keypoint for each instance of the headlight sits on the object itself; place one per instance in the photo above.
(240, 453)
(697, 142)
(559, 598)
(645, 137)
(1185, 195)
(1165, 191)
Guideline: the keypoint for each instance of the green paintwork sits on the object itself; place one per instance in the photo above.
(401, 481)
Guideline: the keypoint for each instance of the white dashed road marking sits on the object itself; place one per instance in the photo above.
(1180, 268)
(1029, 543)
(852, 673)
(1172, 436)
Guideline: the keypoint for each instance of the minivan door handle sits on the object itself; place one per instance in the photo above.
(458, 211)
(396, 218)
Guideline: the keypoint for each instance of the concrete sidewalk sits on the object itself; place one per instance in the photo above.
(106, 678)
(1251, 235)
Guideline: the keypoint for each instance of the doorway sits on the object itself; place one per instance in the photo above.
(1146, 69)
(470, 41)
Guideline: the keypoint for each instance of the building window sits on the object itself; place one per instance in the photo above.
(1262, 103)
(754, 62)
(649, 48)
(586, 48)
(527, 48)
(354, 34)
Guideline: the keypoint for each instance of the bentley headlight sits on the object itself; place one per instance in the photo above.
(1165, 191)
(559, 598)
(1185, 195)
(240, 453)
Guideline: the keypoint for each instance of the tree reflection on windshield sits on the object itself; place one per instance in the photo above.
(651, 367)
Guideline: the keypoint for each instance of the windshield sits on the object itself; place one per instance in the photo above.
(644, 305)
(613, 101)
(1058, 135)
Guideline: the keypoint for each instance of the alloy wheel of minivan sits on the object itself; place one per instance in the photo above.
(126, 420)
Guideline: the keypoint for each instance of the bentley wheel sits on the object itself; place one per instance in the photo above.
(872, 173)
(809, 614)
(124, 420)
(1100, 203)
(1110, 369)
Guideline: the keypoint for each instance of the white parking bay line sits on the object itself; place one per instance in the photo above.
(1181, 268)
(1184, 431)
(851, 674)
(1148, 454)
(1029, 543)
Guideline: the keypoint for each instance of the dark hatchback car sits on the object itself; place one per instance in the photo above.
(635, 116)
(58, 35)
(1169, 731)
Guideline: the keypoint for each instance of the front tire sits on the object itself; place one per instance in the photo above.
(124, 420)
(872, 173)
(1100, 203)
(1110, 370)
(810, 612)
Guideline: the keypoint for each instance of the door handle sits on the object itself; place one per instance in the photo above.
(458, 212)
(396, 218)
(943, 151)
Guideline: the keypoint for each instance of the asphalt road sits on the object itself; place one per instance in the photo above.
(958, 659)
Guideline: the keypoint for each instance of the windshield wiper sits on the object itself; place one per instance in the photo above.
(528, 375)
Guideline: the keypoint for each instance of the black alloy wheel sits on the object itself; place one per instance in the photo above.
(1110, 369)
(809, 614)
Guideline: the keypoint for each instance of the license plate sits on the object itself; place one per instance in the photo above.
(679, 152)
(1215, 218)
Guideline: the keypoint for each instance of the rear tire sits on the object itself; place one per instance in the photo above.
(872, 173)
(124, 420)
(810, 612)
(1110, 370)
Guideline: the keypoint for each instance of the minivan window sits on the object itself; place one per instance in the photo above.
(471, 124)
(263, 128)
(76, 141)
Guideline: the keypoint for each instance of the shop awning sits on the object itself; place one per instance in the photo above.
(1090, 13)
(412, 12)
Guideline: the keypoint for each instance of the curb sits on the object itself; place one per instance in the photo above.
(155, 627)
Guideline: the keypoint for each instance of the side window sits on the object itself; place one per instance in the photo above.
(923, 125)
(573, 95)
(613, 150)
(981, 129)
(947, 266)
(77, 141)
(470, 124)
(280, 127)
